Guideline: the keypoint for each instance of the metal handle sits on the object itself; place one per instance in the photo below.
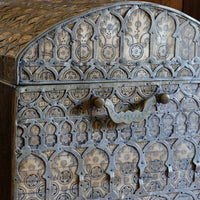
(131, 116)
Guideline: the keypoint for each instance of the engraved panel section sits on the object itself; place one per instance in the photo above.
(109, 44)
(98, 158)
(155, 171)
(64, 183)
(96, 181)
(84, 45)
(126, 176)
(137, 38)
(183, 168)
(32, 184)
(165, 41)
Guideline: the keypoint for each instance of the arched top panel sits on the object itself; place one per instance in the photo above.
(122, 41)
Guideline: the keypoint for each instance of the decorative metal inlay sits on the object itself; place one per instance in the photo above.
(118, 43)
(66, 148)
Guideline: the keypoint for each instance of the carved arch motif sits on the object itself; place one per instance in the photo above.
(156, 156)
(183, 174)
(64, 184)
(96, 181)
(164, 39)
(137, 37)
(109, 45)
(126, 176)
(32, 184)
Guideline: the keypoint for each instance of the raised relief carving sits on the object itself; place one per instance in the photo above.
(116, 40)
(126, 177)
(154, 123)
(193, 123)
(119, 74)
(19, 138)
(182, 169)
(111, 133)
(54, 112)
(29, 97)
(97, 135)
(45, 75)
(126, 91)
(96, 180)
(79, 93)
(34, 139)
(154, 173)
(50, 135)
(168, 126)
(47, 49)
(82, 135)
(54, 95)
(30, 114)
(32, 54)
(66, 136)
(70, 75)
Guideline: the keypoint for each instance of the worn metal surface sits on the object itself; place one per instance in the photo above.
(129, 116)
(127, 52)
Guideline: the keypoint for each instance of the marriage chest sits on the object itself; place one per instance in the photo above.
(99, 101)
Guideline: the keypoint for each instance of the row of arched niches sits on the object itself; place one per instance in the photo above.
(67, 148)
(120, 42)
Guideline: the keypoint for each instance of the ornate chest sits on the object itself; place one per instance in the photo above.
(99, 105)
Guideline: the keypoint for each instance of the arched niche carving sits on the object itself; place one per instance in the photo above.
(64, 184)
(109, 45)
(137, 37)
(183, 168)
(96, 181)
(83, 44)
(32, 183)
(155, 171)
(164, 39)
(126, 176)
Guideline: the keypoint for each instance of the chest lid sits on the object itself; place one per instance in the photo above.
(123, 42)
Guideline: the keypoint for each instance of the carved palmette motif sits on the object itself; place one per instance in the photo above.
(66, 148)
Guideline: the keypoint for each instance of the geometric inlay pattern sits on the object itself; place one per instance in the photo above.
(66, 148)
(118, 43)
(77, 151)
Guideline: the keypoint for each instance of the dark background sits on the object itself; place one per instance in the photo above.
(190, 7)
